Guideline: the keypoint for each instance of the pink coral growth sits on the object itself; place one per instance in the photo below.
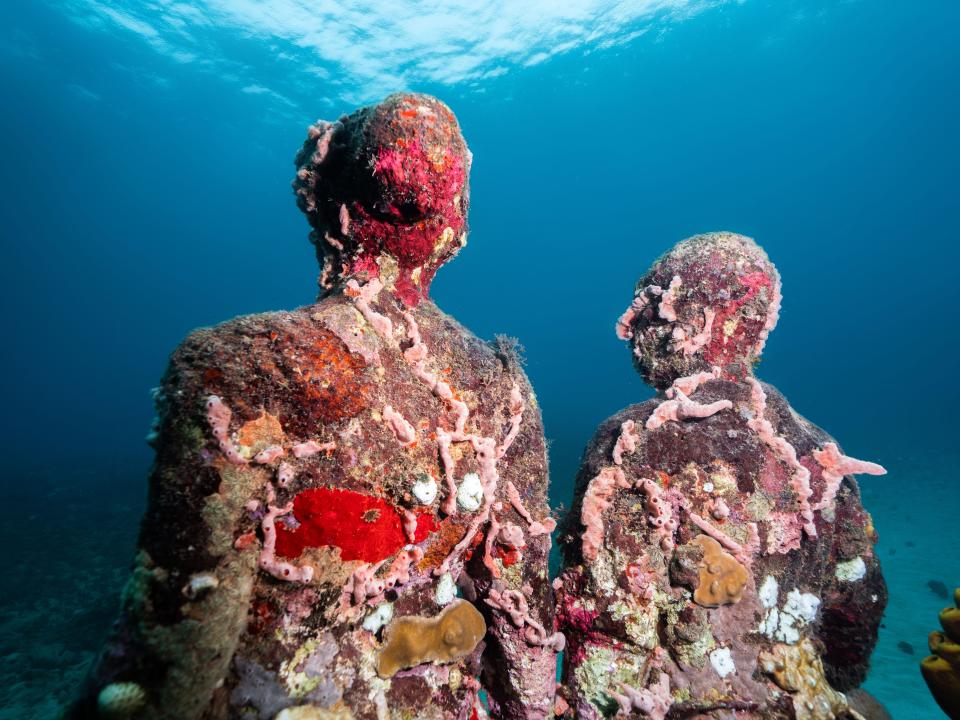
(365, 294)
(596, 500)
(690, 345)
(626, 441)
(516, 417)
(364, 587)
(683, 408)
(661, 513)
(689, 384)
(511, 536)
(323, 141)
(285, 473)
(536, 527)
(311, 448)
(641, 579)
(667, 310)
(402, 429)
(785, 452)
(514, 604)
(410, 525)
(486, 451)
(721, 537)
(268, 561)
(625, 321)
(835, 465)
(269, 454)
(773, 316)
(652, 702)
(218, 417)
(784, 532)
(679, 406)
(718, 508)
(493, 531)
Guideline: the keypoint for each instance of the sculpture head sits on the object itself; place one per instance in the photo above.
(709, 302)
(386, 192)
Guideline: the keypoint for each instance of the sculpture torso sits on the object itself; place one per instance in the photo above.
(642, 603)
(328, 414)
(327, 479)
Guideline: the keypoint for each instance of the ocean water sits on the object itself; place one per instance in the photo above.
(144, 191)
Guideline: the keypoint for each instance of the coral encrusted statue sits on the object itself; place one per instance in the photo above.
(347, 514)
(717, 560)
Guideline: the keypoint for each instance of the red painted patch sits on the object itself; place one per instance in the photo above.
(724, 349)
(364, 527)
(244, 541)
(508, 556)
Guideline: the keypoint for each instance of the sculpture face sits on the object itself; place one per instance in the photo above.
(386, 192)
(709, 302)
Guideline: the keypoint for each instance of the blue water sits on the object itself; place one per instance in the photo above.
(144, 191)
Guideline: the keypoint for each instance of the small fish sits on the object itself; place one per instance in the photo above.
(938, 589)
(905, 647)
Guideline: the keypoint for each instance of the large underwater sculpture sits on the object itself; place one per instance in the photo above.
(941, 670)
(348, 517)
(327, 480)
(717, 560)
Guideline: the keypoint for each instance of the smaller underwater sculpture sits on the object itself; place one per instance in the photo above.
(941, 670)
(328, 478)
(717, 559)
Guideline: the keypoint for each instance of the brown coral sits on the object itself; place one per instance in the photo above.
(722, 578)
(798, 670)
(451, 635)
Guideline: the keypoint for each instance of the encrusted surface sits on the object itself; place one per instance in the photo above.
(719, 480)
(308, 465)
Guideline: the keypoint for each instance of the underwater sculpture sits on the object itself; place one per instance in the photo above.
(717, 560)
(327, 479)
(941, 670)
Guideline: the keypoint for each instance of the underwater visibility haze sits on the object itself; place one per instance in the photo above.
(146, 191)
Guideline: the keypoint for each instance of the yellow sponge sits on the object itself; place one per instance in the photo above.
(942, 669)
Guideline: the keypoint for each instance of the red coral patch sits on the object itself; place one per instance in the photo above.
(364, 527)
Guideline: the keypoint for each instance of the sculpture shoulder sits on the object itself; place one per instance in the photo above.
(599, 450)
(306, 366)
(804, 435)
(485, 370)
(451, 342)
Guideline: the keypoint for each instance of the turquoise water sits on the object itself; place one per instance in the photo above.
(147, 154)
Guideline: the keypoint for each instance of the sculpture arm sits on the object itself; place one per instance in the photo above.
(186, 601)
(855, 594)
(512, 577)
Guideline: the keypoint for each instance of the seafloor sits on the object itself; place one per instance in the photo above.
(69, 538)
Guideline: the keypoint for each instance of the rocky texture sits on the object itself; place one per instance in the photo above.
(716, 547)
(309, 462)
